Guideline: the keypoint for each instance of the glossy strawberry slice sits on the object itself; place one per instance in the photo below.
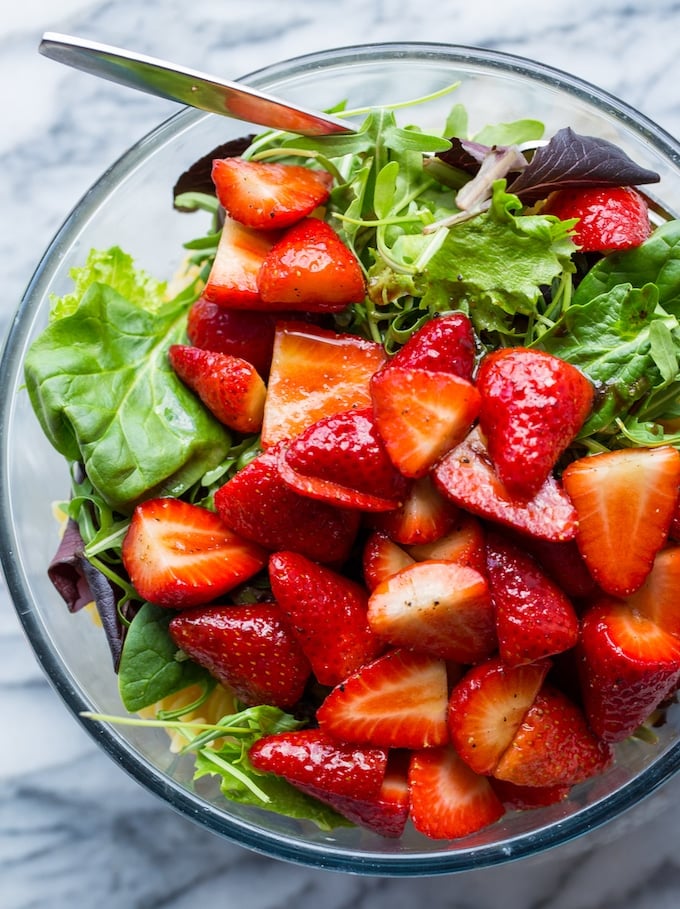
(657, 599)
(421, 414)
(424, 516)
(328, 614)
(259, 506)
(524, 798)
(239, 332)
(231, 388)
(396, 701)
(436, 606)
(266, 195)
(311, 269)
(625, 501)
(609, 218)
(445, 343)
(564, 564)
(232, 281)
(250, 649)
(532, 406)
(381, 558)
(464, 543)
(448, 799)
(181, 555)
(468, 478)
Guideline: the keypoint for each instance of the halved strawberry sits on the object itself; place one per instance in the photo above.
(421, 414)
(232, 281)
(328, 614)
(240, 332)
(259, 506)
(467, 477)
(448, 799)
(609, 218)
(627, 664)
(524, 798)
(231, 388)
(625, 501)
(657, 599)
(311, 269)
(381, 558)
(396, 701)
(445, 343)
(178, 554)
(314, 373)
(486, 709)
(563, 562)
(268, 195)
(438, 607)
(250, 649)
(532, 405)
(423, 517)
(463, 543)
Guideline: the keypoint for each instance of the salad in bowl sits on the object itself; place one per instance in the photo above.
(370, 493)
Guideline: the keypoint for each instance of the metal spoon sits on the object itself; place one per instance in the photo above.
(195, 89)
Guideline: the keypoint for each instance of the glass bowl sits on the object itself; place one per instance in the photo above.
(131, 205)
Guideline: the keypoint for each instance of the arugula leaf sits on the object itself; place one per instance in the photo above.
(515, 133)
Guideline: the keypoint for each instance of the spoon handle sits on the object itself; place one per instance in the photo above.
(195, 89)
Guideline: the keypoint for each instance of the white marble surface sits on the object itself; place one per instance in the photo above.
(74, 830)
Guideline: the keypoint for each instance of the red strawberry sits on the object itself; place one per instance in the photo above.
(657, 599)
(328, 614)
(463, 543)
(421, 414)
(448, 799)
(397, 701)
(625, 501)
(487, 707)
(534, 618)
(259, 506)
(445, 343)
(524, 798)
(467, 477)
(232, 281)
(181, 555)
(240, 332)
(609, 218)
(341, 459)
(563, 562)
(250, 649)
(314, 373)
(382, 558)
(231, 388)
(532, 407)
(553, 745)
(628, 665)
(424, 516)
(438, 607)
(311, 269)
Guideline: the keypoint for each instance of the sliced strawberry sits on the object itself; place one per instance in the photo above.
(438, 607)
(532, 407)
(628, 666)
(328, 614)
(553, 745)
(382, 558)
(396, 701)
(341, 459)
(421, 414)
(266, 195)
(467, 477)
(448, 799)
(424, 516)
(625, 501)
(178, 554)
(524, 798)
(311, 269)
(240, 332)
(314, 373)
(231, 388)
(463, 543)
(250, 649)
(609, 218)
(444, 344)
(534, 618)
(564, 564)
(487, 707)
(657, 599)
(232, 281)
(259, 506)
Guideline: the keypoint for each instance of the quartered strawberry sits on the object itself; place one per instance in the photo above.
(532, 405)
(341, 459)
(627, 664)
(250, 649)
(534, 617)
(486, 709)
(266, 195)
(445, 343)
(396, 701)
(421, 414)
(232, 281)
(464, 543)
(553, 745)
(240, 332)
(625, 500)
(178, 554)
(381, 558)
(259, 506)
(524, 798)
(230, 387)
(314, 373)
(328, 614)
(657, 599)
(423, 517)
(609, 218)
(468, 478)
(448, 799)
(439, 607)
(311, 269)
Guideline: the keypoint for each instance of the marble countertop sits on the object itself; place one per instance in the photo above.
(74, 830)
